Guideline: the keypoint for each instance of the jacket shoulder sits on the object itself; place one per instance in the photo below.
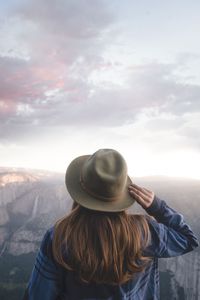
(46, 244)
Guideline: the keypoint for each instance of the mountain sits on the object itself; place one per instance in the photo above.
(31, 201)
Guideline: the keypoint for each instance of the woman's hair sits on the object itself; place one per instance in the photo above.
(102, 247)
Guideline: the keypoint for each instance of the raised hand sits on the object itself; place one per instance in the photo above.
(143, 196)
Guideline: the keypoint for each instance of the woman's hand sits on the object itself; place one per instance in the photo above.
(143, 196)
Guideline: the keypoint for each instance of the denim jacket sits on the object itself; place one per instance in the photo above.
(170, 236)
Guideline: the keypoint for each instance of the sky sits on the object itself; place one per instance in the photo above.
(80, 75)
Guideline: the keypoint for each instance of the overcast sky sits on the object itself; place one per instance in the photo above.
(79, 75)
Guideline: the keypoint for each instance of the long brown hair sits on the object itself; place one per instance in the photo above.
(102, 247)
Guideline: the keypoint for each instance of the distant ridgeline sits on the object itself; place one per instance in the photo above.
(31, 201)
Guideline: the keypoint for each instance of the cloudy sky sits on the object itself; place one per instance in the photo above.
(79, 75)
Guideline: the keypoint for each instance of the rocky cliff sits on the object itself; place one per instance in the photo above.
(29, 203)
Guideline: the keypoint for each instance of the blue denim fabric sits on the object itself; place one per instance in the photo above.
(170, 236)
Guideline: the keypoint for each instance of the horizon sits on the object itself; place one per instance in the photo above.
(77, 77)
(150, 176)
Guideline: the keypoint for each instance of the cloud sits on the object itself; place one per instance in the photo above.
(64, 42)
(41, 97)
(72, 18)
(65, 30)
(46, 80)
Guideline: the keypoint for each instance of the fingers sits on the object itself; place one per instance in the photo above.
(139, 199)
(143, 190)
(139, 192)
(143, 196)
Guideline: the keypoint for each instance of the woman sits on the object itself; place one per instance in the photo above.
(98, 250)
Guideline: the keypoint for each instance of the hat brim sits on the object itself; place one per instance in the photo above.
(78, 194)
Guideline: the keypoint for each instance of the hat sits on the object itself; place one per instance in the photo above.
(99, 181)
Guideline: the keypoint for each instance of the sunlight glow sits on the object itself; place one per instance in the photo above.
(56, 158)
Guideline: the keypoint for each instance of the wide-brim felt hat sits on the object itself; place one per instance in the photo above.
(100, 181)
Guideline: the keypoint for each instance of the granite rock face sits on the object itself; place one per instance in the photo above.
(24, 241)
(29, 204)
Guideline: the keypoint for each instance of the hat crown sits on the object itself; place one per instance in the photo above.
(104, 174)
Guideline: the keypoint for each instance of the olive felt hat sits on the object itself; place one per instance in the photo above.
(99, 181)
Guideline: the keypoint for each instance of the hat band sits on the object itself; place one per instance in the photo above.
(109, 199)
